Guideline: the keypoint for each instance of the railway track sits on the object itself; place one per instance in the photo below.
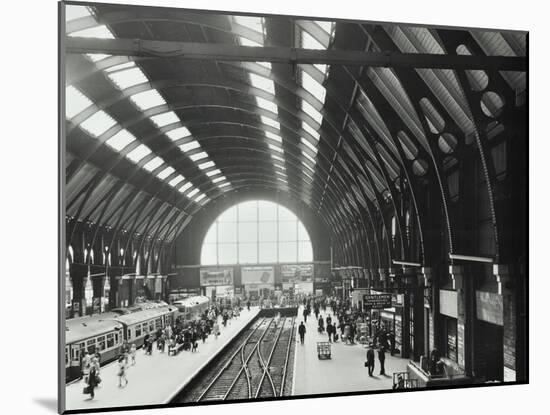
(255, 368)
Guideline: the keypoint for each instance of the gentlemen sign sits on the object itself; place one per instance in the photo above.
(377, 301)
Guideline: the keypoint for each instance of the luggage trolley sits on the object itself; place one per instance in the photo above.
(323, 350)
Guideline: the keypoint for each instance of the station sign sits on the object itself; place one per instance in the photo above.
(216, 276)
(377, 301)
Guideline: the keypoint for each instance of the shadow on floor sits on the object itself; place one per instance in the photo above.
(48, 403)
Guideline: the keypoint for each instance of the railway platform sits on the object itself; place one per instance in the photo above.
(158, 378)
(343, 372)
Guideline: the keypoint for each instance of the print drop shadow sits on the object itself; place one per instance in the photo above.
(48, 403)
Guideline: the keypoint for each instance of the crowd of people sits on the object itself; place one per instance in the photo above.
(183, 334)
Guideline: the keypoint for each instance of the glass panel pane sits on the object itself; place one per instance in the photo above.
(305, 253)
(302, 232)
(287, 252)
(287, 231)
(248, 253)
(248, 232)
(230, 215)
(211, 237)
(267, 210)
(285, 214)
(268, 252)
(227, 232)
(248, 211)
(208, 254)
(268, 231)
(227, 253)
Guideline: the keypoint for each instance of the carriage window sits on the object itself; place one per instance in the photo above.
(66, 356)
(110, 340)
(116, 338)
(101, 343)
(158, 323)
(90, 345)
(76, 353)
(145, 328)
(138, 330)
(129, 334)
(151, 326)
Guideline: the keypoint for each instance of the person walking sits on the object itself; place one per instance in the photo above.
(133, 350)
(85, 367)
(330, 331)
(93, 381)
(122, 371)
(382, 359)
(370, 360)
(305, 313)
(302, 332)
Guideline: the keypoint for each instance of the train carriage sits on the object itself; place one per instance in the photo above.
(192, 307)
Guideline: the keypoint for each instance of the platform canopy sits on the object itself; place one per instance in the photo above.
(170, 110)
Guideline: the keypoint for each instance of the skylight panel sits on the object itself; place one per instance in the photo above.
(185, 187)
(96, 57)
(138, 153)
(120, 66)
(321, 67)
(310, 130)
(306, 173)
(262, 83)
(153, 164)
(313, 87)
(309, 42)
(128, 77)
(307, 166)
(275, 148)
(326, 26)
(218, 179)
(265, 64)
(206, 165)
(178, 133)
(252, 22)
(272, 136)
(266, 105)
(148, 99)
(282, 180)
(198, 156)
(312, 112)
(280, 173)
(309, 157)
(98, 123)
(121, 140)
(73, 12)
(309, 145)
(200, 197)
(193, 193)
(213, 172)
(223, 184)
(278, 158)
(270, 122)
(191, 145)
(98, 32)
(75, 102)
(176, 180)
(166, 118)
(165, 173)
(247, 42)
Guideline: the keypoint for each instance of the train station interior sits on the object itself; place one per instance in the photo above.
(264, 164)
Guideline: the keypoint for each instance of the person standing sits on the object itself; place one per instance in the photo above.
(305, 315)
(133, 350)
(382, 359)
(122, 371)
(370, 360)
(391, 337)
(302, 332)
(330, 331)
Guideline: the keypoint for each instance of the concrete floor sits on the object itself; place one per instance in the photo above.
(344, 372)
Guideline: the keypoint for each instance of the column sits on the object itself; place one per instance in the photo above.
(78, 274)
(429, 308)
(466, 317)
(509, 309)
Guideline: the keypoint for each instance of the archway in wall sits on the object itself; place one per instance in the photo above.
(256, 232)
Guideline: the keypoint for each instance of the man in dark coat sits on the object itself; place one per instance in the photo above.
(302, 332)
(382, 359)
(370, 360)
(305, 313)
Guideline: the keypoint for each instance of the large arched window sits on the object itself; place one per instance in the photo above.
(256, 232)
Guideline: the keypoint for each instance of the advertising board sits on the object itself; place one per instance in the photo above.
(257, 275)
(216, 276)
